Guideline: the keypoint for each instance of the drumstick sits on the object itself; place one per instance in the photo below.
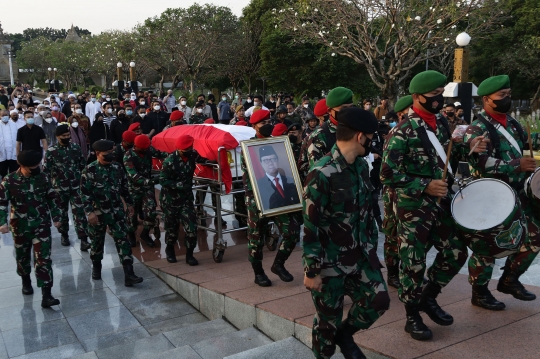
(448, 152)
(530, 141)
(477, 143)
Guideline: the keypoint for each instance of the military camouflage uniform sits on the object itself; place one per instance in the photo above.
(340, 244)
(258, 226)
(422, 222)
(176, 197)
(505, 168)
(197, 119)
(308, 131)
(102, 189)
(119, 153)
(303, 112)
(294, 118)
(141, 187)
(315, 147)
(296, 147)
(64, 164)
(33, 201)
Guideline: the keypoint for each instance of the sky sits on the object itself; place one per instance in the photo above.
(97, 15)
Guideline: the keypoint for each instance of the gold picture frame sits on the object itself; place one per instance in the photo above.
(266, 155)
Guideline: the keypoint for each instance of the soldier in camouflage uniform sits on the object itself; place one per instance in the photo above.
(311, 125)
(176, 119)
(303, 110)
(63, 164)
(33, 200)
(501, 160)
(340, 239)
(103, 186)
(295, 136)
(198, 117)
(257, 225)
(176, 197)
(138, 164)
(412, 167)
(127, 143)
(319, 143)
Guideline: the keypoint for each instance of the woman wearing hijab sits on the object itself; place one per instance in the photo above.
(98, 131)
(77, 135)
(49, 127)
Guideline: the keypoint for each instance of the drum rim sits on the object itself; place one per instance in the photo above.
(528, 184)
(478, 180)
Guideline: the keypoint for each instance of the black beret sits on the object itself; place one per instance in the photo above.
(266, 151)
(61, 129)
(357, 119)
(29, 158)
(295, 127)
(103, 145)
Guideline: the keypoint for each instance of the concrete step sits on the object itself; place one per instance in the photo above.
(231, 343)
(183, 352)
(198, 332)
(141, 348)
(289, 348)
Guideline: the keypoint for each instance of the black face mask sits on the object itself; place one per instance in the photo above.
(121, 116)
(429, 104)
(504, 105)
(109, 157)
(65, 141)
(35, 171)
(266, 130)
(367, 146)
(450, 114)
(186, 153)
(293, 138)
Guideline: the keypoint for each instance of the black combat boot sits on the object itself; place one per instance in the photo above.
(393, 276)
(509, 283)
(65, 240)
(482, 297)
(27, 285)
(260, 277)
(146, 238)
(344, 339)
(415, 325)
(96, 270)
(169, 252)
(48, 301)
(279, 268)
(429, 305)
(130, 277)
(189, 257)
(85, 245)
(131, 239)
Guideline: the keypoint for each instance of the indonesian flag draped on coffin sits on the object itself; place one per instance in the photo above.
(207, 140)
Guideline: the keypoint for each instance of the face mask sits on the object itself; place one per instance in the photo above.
(272, 101)
(122, 116)
(109, 157)
(19, 97)
(183, 103)
(224, 98)
(236, 97)
(503, 105)
(156, 108)
(127, 146)
(73, 109)
(256, 104)
(142, 152)
(248, 101)
(367, 107)
(5, 119)
(306, 105)
(93, 99)
(55, 108)
(108, 99)
(78, 111)
(30, 121)
(142, 103)
(430, 106)
(129, 113)
(133, 98)
(103, 96)
(15, 119)
(393, 124)
(65, 141)
(450, 114)
(266, 130)
(186, 153)
(35, 171)
(109, 110)
(367, 146)
(142, 115)
(75, 124)
(290, 113)
(48, 119)
(293, 138)
(41, 113)
(199, 110)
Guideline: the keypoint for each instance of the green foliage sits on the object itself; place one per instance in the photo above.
(47, 33)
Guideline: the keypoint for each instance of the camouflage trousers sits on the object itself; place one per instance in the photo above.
(39, 238)
(481, 267)
(144, 199)
(117, 225)
(370, 298)
(417, 231)
(389, 227)
(258, 228)
(240, 202)
(181, 213)
(79, 217)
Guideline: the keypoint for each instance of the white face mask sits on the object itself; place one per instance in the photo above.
(55, 108)
(199, 110)
(103, 96)
(133, 98)
(79, 111)
(183, 103)
(248, 101)
(75, 124)
(109, 110)
(142, 115)
(306, 105)
(93, 99)
(156, 107)
(108, 99)
(142, 102)
(41, 113)
(48, 120)
(256, 104)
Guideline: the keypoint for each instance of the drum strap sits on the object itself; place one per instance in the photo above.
(493, 135)
(439, 148)
(509, 137)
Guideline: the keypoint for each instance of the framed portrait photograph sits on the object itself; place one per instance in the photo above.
(273, 174)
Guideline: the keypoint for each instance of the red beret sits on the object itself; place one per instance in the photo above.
(176, 115)
(142, 142)
(241, 123)
(280, 129)
(320, 108)
(259, 115)
(183, 142)
(209, 120)
(134, 126)
(129, 136)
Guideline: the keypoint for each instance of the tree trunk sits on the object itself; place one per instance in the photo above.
(535, 97)
(391, 90)
(161, 83)
(191, 86)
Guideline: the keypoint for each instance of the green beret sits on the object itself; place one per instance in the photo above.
(357, 119)
(493, 84)
(266, 151)
(103, 145)
(426, 81)
(338, 97)
(29, 158)
(403, 103)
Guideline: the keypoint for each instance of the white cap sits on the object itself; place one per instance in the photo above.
(457, 103)
(13, 111)
(72, 95)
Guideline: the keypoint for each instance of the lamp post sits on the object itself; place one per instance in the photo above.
(461, 74)
(10, 55)
(134, 84)
(55, 80)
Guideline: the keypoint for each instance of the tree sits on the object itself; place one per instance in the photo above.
(46, 33)
(389, 37)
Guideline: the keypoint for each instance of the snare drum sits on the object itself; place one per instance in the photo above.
(532, 188)
(489, 217)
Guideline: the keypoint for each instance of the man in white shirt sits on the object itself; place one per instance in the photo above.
(16, 119)
(182, 106)
(92, 108)
(207, 110)
(8, 144)
(257, 102)
(169, 101)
